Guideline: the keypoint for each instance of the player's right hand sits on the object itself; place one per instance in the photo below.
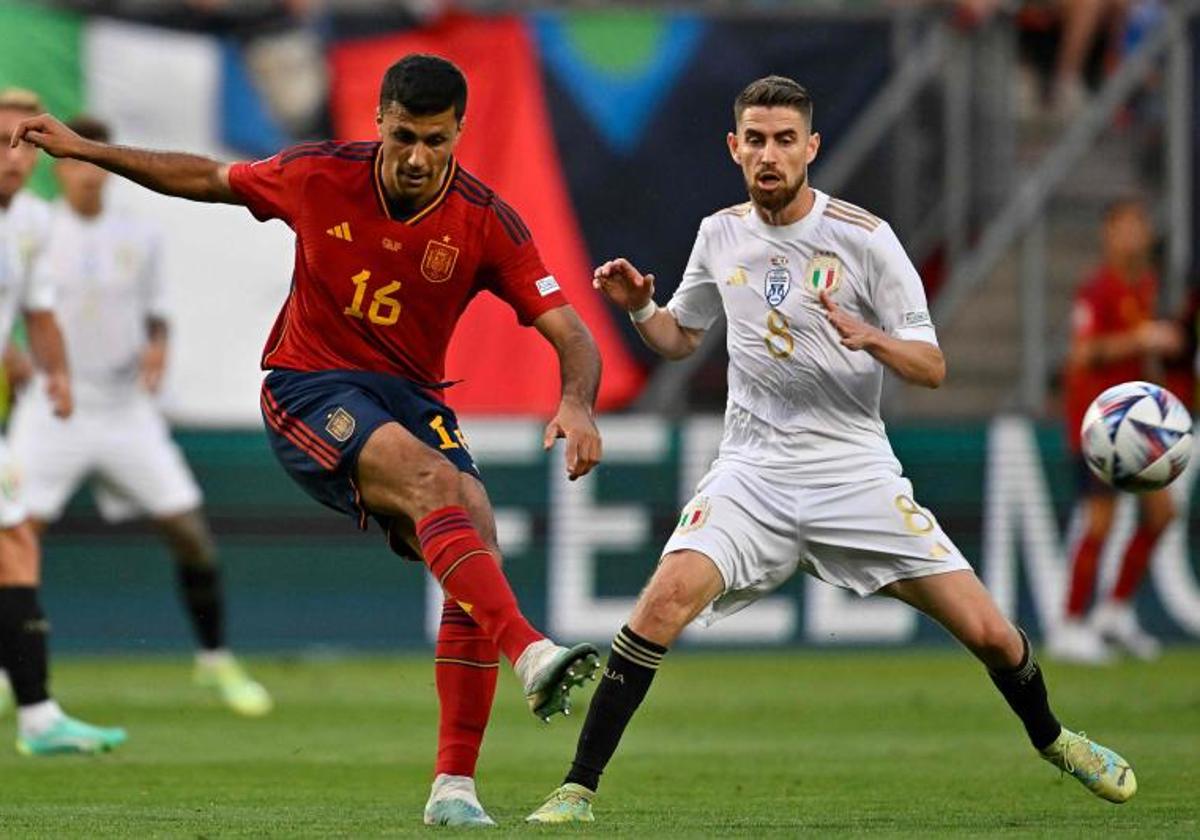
(58, 388)
(49, 135)
(623, 284)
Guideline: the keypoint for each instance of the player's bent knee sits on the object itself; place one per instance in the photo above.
(437, 486)
(189, 538)
(996, 643)
(681, 588)
(20, 557)
(1158, 519)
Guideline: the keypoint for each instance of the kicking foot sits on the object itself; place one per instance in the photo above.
(453, 801)
(550, 671)
(1098, 768)
(571, 803)
(1117, 624)
(69, 736)
(219, 670)
(1077, 643)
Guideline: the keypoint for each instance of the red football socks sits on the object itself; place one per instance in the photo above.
(1134, 564)
(468, 573)
(1083, 575)
(466, 665)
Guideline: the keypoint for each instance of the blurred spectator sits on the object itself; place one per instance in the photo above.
(1080, 32)
(1115, 339)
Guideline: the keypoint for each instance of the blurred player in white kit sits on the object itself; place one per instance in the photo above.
(42, 727)
(105, 270)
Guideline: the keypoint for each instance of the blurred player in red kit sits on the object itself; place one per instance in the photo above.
(1116, 338)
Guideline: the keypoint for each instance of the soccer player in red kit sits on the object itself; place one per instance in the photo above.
(393, 240)
(1115, 339)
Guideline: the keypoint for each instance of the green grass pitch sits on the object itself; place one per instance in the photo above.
(906, 743)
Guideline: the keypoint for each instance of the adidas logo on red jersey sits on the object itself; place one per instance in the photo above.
(341, 231)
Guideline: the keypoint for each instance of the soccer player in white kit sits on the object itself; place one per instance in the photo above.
(819, 297)
(104, 267)
(42, 727)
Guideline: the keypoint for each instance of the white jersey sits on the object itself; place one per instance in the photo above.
(24, 226)
(106, 275)
(799, 400)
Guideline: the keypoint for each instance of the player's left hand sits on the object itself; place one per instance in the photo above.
(154, 362)
(58, 388)
(855, 334)
(575, 423)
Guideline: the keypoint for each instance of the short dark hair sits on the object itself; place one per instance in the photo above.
(424, 84)
(90, 128)
(20, 99)
(774, 92)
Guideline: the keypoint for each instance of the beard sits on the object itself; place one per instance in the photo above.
(775, 200)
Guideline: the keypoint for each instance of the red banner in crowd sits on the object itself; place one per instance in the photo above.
(509, 143)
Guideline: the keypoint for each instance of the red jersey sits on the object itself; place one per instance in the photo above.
(377, 293)
(1105, 305)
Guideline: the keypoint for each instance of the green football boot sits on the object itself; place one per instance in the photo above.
(69, 736)
(571, 803)
(551, 671)
(1097, 768)
(238, 691)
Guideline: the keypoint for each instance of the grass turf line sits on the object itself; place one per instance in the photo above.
(908, 743)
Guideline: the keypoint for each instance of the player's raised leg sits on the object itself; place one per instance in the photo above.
(682, 586)
(42, 727)
(960, 603)
(399, 475)
(199, 579)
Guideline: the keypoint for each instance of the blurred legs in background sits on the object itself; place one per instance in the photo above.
(1085, 633)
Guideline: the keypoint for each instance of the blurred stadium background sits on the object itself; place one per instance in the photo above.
(603, 124)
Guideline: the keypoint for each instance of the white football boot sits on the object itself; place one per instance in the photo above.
(1116, 623)
(1078, 643)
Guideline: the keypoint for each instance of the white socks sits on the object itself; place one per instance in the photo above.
(446, 786)
(531, 658)
(213, 658)
(36, 718)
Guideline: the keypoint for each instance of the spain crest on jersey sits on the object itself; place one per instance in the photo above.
(438, 263)
(823, 274)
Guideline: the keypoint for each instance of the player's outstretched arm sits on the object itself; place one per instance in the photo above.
(579, 362)
(918, 362)
(633, 292)
(170, 173)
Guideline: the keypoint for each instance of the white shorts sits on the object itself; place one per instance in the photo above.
(758, 527)
(12, 508)
(125, 449)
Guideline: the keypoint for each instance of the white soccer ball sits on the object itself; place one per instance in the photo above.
(1137, 436)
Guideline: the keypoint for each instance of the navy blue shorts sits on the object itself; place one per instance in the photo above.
(318, 423)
